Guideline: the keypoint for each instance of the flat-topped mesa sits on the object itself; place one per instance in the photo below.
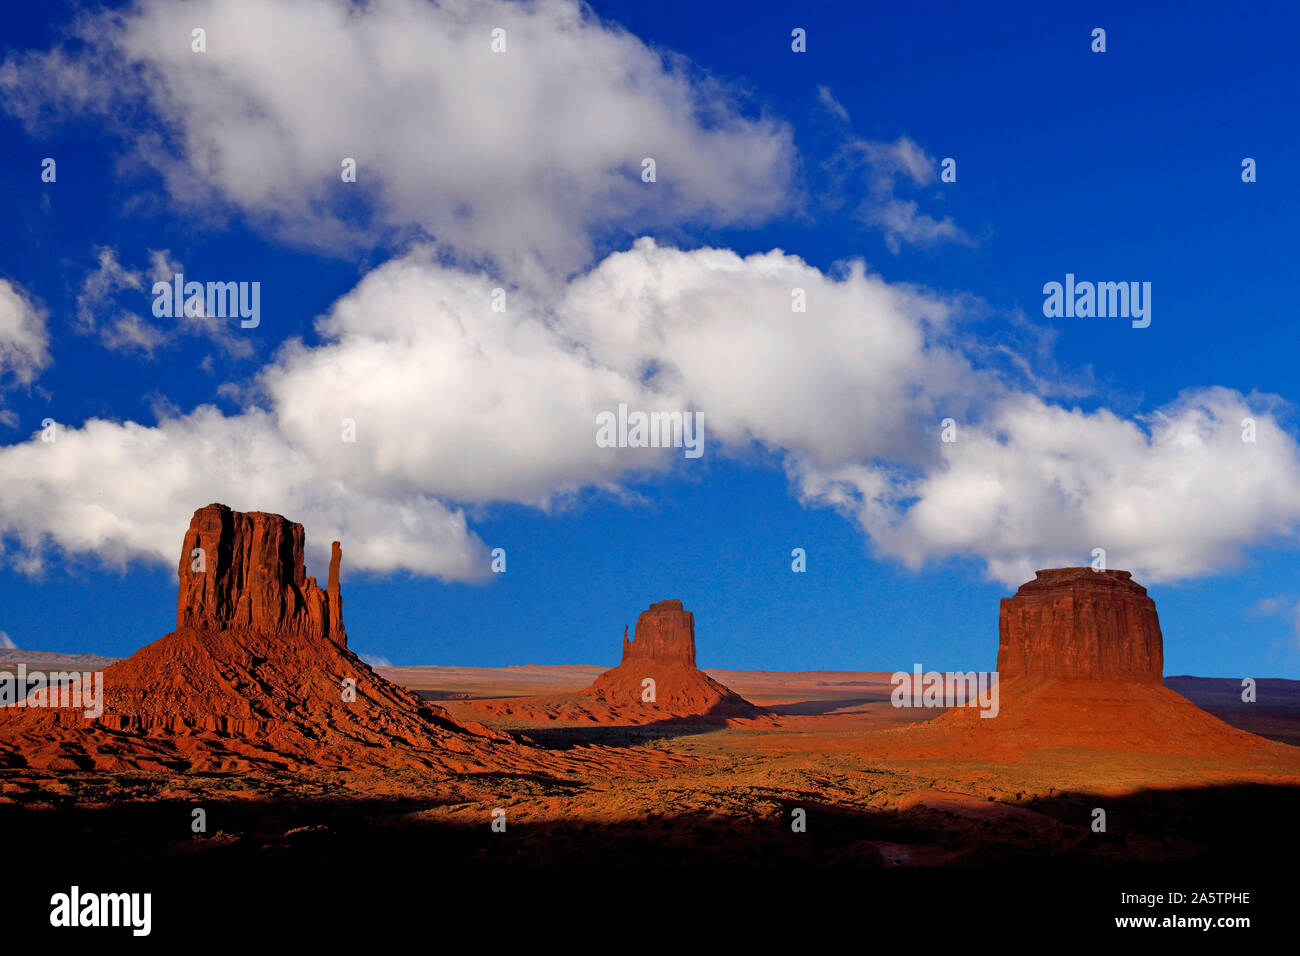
(246, 570)
(1081, 623)
(664, 632)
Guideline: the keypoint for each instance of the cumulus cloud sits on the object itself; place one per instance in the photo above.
(849, 394)
(858, 375)
(1173, 495)
(24, 341)
(452, 399)
(517, 163)
(454, 405)
(124, 491)
(518, 157)
(449, 397)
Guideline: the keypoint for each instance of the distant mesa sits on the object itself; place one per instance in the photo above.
(657, 680)
(663, 650)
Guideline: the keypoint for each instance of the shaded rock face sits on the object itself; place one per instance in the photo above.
(1081, 623)
(664, 632)
(246, 570)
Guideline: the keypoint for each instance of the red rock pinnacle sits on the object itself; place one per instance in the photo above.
(242, 570)
(1081, 623)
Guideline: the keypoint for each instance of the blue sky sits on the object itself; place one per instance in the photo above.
(1115, 166)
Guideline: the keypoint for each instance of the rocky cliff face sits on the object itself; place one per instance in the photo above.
(664, 632)
(1081, 623)
(245, 570)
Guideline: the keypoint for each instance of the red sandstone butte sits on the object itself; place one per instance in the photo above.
(253, 677)
(664, 632)
(1080, 666)
(246, 571)
(663, 651)
(1077, 622)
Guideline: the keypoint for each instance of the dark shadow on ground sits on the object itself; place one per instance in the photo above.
(569, 735)
(292, 860)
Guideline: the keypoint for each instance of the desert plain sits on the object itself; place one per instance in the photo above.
(250, 747)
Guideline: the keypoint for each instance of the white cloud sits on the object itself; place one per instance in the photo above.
(457, 405)
(100, 288)
(112, 298)
(858, 375)
(901, 158)
(126, 491)
(1176, 495)
(524, 159)
(24, 341)
(903, 224)
(885, 167)
(828, 101)
(452, 399)
(901, 221)
(6, 642)
(130, 333)
(518, 156)
(449, 398)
